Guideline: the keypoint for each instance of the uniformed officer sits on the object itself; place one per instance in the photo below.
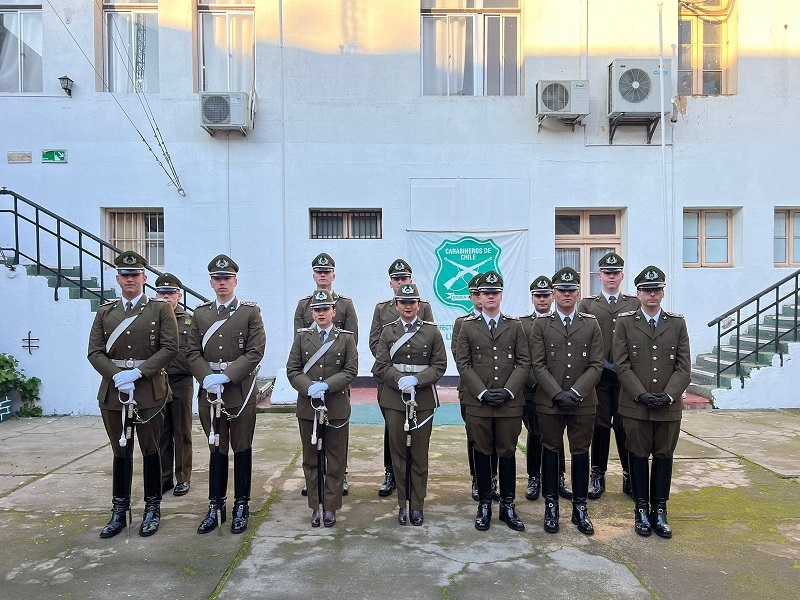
(411, 358)
(475, 298)
(653, 360)
(493, 360)
(567, 357)
(131, 341)
(386, 312)
(226, 345)
(323, 269)
(176, 435)
(322, 364)
(606, 306)
(541, 290)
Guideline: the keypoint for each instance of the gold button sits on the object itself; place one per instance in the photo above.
(220, 347)
(496, 368)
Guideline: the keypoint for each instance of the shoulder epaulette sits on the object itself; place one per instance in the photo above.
(209, 303)
(304, 298)
(303, 329)
(346, 331)
(673, 314)
(509, 317)
(472, 317)
(247, 303)
(430, 323)
(550, 314)
(109, 302)
(390, 323)
(587, 315)
(389, 301)
(338, 296)
(424, 302)
(627, 313)
(625, 296)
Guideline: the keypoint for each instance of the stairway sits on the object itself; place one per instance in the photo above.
(71, 280)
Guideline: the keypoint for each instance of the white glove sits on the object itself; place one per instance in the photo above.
(128, 376)
(317, 389)
(219, 379)
(126, 388)
(406, 382)
(214, 390)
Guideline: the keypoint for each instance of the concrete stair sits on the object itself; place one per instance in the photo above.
(72, 282)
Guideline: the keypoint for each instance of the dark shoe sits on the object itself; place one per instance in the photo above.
(417, 518)
(484, 517)
(580, 517)
(345, 487)
(626, 484)
(475, 495)
(597, 484)
(563, 490)
(508, 515)
(641, 523)
(402, 516)
(315, 518)
(388, 485)
(495, 491)
(658, 521)
(532, 493)
(151, 519)
(181, 489)
(551, 514)
(166, 486)
(118, 520)
(329, 518)
(210, 522)
(240, 516)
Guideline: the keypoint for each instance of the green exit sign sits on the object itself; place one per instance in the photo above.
(54, 156)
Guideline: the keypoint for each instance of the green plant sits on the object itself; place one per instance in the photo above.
(12, 378)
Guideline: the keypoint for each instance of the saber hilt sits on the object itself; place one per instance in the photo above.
(216, 413)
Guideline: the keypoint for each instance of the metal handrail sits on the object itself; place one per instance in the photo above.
(65, 244)
(740, 320)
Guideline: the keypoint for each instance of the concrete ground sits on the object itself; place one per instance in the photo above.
(735, 511)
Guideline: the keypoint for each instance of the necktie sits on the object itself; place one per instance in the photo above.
(322, 336)
(220, 309)
(613, 302)
(652, 324)
(491, 327)
(409, 326)
(128, 307)
(566, 323)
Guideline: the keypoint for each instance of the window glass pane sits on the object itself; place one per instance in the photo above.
(717, 224)
(461, 66)
(212, 2)
(690, 224)
(780, 250)
(328, 225)
(364, 225)
(796, 251)
(712, 33)
(711, 58)
(602, 225)
(691, 251)
(510, 56)
(242, 52)
(493, 55)
(685, 82)
(716, 251)
(780, 224)
(568, 225)
(32, 52)
(132, 51)
(112, 2)
(595, 254)
(466, 3)
(434, 55)
(214, 52)
(685, 32)
(685, 58)
(796, 223)
(568, 257)
(9, 52)
(712, 83)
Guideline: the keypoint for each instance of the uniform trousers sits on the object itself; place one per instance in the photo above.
(579, 431)
(420, 443)
(607, 401)
(490, 434)
(237, 432)
(658, 438)
(176, 435)
(148, 434)
(335, 439)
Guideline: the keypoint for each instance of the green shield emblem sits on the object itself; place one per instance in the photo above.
(459, 261)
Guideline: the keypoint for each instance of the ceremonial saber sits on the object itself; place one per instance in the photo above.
(317, 439)
(127, 434)
(410, 416)
(213, 438)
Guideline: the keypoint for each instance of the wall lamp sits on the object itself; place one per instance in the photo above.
(66, 84)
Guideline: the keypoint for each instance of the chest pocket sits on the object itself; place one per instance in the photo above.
(554, 351)
(668, 352)
(479, 353)
(237, 340)
(183, 339)
(637, 353)
(581, 353)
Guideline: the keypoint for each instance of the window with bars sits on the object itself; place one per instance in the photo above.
(346, 224)
(130, 45)
(707, 238)
(787, 237)
(707, 54)
(140, 230)
(583, 237)
(21, 50)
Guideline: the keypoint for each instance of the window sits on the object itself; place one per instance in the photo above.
(346, 224)
(21, 50)
(582, 238)
(707, 47)
(707, 238)
(130, 45)
(470, 47)
(227, 46)
(787, 237)
(138, 229)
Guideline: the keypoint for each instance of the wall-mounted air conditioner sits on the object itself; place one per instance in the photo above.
(567, 99)
(226, 111)
(634, 87)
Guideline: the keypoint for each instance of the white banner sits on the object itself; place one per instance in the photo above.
(445, 261)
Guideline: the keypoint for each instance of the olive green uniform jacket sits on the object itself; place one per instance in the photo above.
(345, 318)
(607, 317)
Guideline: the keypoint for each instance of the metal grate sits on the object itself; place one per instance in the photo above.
(346, 224)
(216, 109)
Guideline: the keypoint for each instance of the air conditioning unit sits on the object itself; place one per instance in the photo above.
(226, 111)
(634, 87)
(562, 99)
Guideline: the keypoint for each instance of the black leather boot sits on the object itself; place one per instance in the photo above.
(119, 500)
(640, 490)
(534, 486)
(151, 466)
(600, 444)
(580, 490)
(483, 475)
(550, 489)
(660, 480)
(508, 476)
(389, 484)
(242, 477)
(495, 489)
(563, 490)
(217, 489)
(624, 460)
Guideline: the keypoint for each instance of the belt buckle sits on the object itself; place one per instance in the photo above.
(128, 363)
(408, 369)
(223, 366)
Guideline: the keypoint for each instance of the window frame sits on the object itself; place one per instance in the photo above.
(212, 7)
(21, 13)
(138, 242)
(791, 236)
(586, 242)
(133, 8)
(347, 215)
(480, 50)
(722, 14)
(702, 237)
